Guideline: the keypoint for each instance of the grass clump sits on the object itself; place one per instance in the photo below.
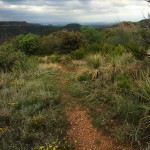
(54, 59)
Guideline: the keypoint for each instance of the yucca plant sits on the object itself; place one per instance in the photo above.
(96, 62)
(119, 63)
(100, 64)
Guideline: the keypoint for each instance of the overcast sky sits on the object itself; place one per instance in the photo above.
(42, 11)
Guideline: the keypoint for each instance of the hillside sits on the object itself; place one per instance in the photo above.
(73, 26)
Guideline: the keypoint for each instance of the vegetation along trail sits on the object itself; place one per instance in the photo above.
(81, 132)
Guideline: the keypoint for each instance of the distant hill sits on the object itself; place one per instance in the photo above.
(10, 29)
(98, 25)
(131, 26)
(14, 23)
(125, 26)
(74, 27)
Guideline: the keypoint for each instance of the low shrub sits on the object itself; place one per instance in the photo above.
(92, 35)
(118, 50)
(137, 49)
(92, 48)
(78, 54)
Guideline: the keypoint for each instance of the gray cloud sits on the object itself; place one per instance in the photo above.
(71, 10)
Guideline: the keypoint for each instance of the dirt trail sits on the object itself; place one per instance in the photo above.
(81, 133)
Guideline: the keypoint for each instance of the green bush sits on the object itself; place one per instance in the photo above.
(69, 40)
(61, 42)
(27, 43)
(92, 35)
(119, 37)
(50, 44)
(106, 48)
(92, 48)
(111, 49)
(78, 54)
(9, 57)
(137, 49)
(119, 50)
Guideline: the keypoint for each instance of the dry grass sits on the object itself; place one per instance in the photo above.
(50, 65)
(79, 62)
(148, 52)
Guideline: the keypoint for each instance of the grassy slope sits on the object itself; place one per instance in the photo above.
(31, 115)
